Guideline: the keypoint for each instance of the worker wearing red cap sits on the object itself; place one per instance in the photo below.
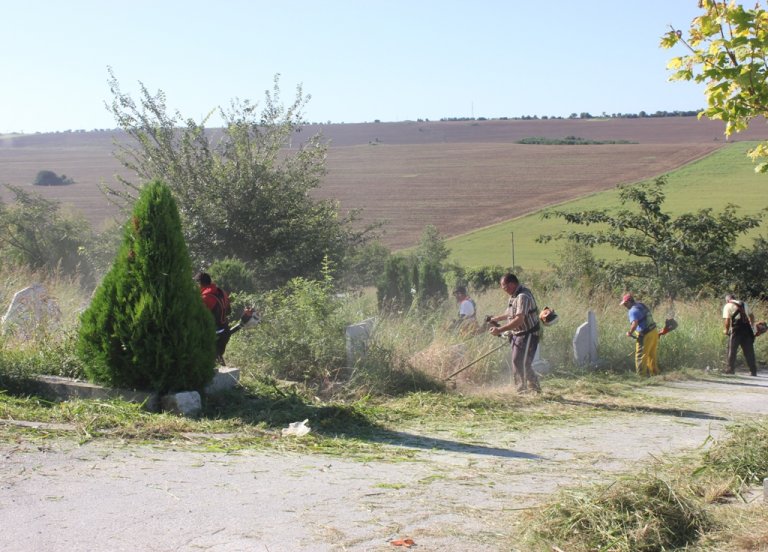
(643, 329)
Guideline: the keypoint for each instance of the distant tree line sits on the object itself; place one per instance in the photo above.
(582, 115)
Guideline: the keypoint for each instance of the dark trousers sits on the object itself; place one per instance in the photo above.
(222, 338)
(745, 339)
(523, 350)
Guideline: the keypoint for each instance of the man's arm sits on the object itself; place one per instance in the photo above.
(512, 323)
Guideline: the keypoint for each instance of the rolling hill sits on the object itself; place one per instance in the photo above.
(457, 175)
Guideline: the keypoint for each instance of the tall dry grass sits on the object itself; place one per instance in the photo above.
(428, 344)
(418, 350)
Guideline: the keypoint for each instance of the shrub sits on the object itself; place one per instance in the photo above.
(147, 327)
(301, 337)
(484, 277)
(431, 289)
(50, 178)
(394, 287)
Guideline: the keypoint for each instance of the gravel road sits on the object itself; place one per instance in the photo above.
(455, 495)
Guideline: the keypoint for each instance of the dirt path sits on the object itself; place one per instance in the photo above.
(454, 496)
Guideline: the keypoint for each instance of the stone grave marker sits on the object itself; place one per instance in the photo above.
(585, 342)
(31, 309)
(357, 336)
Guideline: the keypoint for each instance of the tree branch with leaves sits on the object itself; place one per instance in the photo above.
(727, 51)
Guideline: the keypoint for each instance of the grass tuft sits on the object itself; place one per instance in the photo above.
(744, 453)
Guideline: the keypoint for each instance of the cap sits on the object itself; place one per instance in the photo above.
(627, 298)
(460, 289)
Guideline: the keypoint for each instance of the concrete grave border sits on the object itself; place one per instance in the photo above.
(59, 388)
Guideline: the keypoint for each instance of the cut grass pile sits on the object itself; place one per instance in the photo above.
(639, 513)
(679, 503)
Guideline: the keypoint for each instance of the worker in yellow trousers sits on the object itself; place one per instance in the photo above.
(643, 329)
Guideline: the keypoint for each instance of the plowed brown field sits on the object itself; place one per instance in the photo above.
(461, 187)
(456, 175)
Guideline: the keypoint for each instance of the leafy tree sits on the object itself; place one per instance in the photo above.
(232, 275)
(749, 271)
(244, 191)
(669, 255)
(432, 246)
(728, 51)
(34, 232)
(146, 327)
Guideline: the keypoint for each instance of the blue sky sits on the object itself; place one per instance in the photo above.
(391, 60)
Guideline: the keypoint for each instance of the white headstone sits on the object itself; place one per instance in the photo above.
(585, 341)
(31, 309)
(357, 336)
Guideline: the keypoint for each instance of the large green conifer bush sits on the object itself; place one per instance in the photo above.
(147, 327)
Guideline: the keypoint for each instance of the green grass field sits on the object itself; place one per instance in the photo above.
(726, 176)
